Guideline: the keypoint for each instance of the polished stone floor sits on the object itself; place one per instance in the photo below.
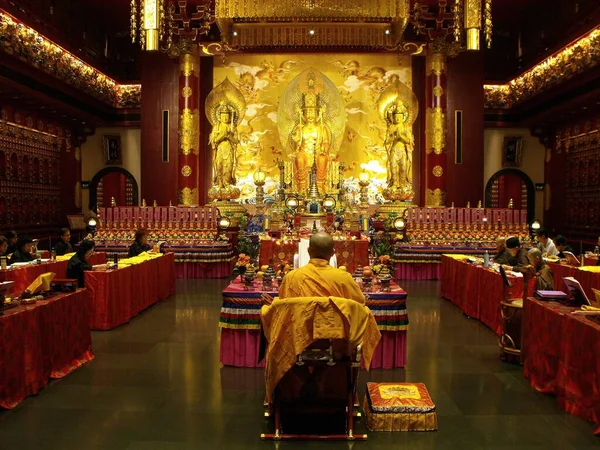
(156, 384)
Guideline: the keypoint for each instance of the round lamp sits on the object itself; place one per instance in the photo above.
(328, 203)
(91, 222)
(259, 176)
(363, 177)
(291, 203)
(399, 224)
(536, 225)
(224, 222)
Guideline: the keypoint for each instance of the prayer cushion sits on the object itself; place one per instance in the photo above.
(399, 407)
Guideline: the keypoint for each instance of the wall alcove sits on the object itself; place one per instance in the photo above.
(113, 182)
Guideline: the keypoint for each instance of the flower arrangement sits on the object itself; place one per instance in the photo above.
(242, 263)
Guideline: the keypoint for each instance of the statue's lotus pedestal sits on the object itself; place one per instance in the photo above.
(399, 200)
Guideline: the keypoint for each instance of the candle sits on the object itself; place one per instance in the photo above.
(266, 223)
(365, 224)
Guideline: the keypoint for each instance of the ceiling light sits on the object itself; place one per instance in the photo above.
(311, 32)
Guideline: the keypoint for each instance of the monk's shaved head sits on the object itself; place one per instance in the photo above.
(320, 246)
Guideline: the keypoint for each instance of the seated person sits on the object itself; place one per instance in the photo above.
(545, 244)
(64, 245)
(24, 251)
(518, 261)
(12, 237)
(140, 244)
(318, 278)
(3, 246)
(502, 255)
(561, 244)
(78, 263)
(544, 280)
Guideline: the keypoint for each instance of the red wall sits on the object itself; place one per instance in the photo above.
(465, 79)
(573, 181)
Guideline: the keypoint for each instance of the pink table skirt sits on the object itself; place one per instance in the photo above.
(239, 348)
(418, 271)
(221, 269)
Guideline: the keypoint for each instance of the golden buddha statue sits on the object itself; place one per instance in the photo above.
(223, 140)
(398, 108)
(225, 107)
(310, 139)
(399, 144)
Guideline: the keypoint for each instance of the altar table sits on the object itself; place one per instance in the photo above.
(48, 339)
(477, 291)
(240, 326)
(588, 280)
(23, 276)
(349, 253)
(563, 357)
(117, 296)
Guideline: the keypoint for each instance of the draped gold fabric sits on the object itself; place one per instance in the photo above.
(292, 324)
(319, 279)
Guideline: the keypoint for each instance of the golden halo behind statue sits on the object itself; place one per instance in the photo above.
(395, 93)
(330, 102)
(225, 93)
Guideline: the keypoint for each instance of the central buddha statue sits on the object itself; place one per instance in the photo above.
(310, 139)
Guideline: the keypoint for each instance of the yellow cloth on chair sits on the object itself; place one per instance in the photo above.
(292, 324)
(41, 283)
(65, 257)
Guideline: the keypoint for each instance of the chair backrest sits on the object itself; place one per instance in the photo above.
(505, 279)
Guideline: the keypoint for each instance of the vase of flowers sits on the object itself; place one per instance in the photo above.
(241, 265)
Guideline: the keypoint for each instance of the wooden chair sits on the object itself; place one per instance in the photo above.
(512, 319)
(321, 383)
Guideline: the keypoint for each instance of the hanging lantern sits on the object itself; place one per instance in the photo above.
(472, 13)
(148, 23)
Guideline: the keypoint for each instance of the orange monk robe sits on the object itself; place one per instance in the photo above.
(319, 279)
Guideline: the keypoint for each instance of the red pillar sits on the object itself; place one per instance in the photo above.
(435, 128)
(189, 125)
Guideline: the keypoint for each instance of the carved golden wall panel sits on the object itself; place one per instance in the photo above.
(359, 79)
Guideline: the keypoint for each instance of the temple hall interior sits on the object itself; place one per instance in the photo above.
(320, 224)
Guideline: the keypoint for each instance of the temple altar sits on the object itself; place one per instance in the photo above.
(191, 233)
(349, 253)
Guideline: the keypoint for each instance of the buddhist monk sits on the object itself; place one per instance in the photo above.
(544, 280)
(318, 278)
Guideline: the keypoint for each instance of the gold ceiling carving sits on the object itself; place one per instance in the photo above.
(312, 23)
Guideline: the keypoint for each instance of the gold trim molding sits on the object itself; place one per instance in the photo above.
(189, 131)
(581, 55)
(435, 197)
(188, 197)
(186, 171)
(25, 43)
(188, 64)
(312, 23)
(436, 62)
(438, 171)
(435, 131)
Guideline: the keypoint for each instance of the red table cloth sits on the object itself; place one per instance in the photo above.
(48, 339)
(23, 276)
(203, 269)
(543, 339)
(240, 326)
(588, 280)
(578, 379)
(478, 291)
(418, 271)
(563, 357)
(119, 295)
(349, 253)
